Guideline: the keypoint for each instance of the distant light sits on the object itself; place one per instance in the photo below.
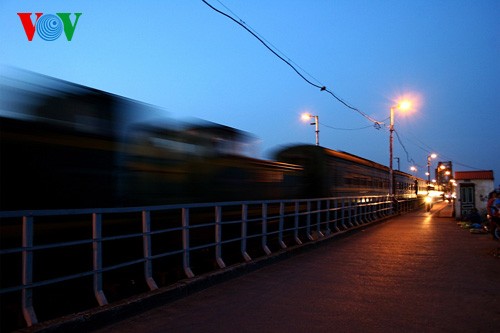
(434, 155)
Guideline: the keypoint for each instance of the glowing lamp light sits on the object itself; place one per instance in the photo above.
(305, 116)
(408, 101)
(405, 105)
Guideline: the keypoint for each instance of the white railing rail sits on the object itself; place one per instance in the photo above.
(276, 225)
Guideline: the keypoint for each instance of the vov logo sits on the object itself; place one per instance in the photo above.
(49, 26)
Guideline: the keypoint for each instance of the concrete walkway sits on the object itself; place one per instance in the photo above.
(419, 272)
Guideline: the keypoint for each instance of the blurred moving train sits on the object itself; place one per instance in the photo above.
(331, 173)
(64, 145)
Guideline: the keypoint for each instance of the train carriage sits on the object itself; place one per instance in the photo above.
(330, 173)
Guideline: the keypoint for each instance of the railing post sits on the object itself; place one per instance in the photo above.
(343, 213)
(371, 217)
(349, 221)
(97, 258)
(367, 210)
(385, 206)
(244, 228)
(280, 234)
(380, 207)
(264, 229)
(218, 237)
(336, 215)
(328, 230)
(146, 243)
(375, 208)
(356, 204)
(373, 203)
(185, 243)
(361, 206)
(296, 224)
(27, 292)
(364, 211)
(308, 223)
(318, 219)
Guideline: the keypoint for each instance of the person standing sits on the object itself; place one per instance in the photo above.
(493, 207)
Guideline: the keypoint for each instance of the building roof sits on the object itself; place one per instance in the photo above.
(483, 174)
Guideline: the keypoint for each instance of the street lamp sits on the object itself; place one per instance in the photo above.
(428, 173)
(415, 181)
(414, 170)
(306, 117)
(404, 105)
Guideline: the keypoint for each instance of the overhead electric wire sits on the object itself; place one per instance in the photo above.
(269, 43)
(429, 150)
(345, 129)
(320, 86)
(408, 159)
(242, 24)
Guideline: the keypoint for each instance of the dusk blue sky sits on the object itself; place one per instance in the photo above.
(191, 61)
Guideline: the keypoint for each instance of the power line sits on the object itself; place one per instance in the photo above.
(429, 150)
(242, 24)
(269, 43)
(346, 129)
(319, 86)
(408, 159)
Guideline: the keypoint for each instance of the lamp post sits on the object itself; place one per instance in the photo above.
(307, 116)
(404, 105)
(415, 181)
(428, 173)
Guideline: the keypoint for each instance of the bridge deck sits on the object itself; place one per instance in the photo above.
(415, 273)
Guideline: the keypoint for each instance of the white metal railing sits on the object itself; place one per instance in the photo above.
(274, 224)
